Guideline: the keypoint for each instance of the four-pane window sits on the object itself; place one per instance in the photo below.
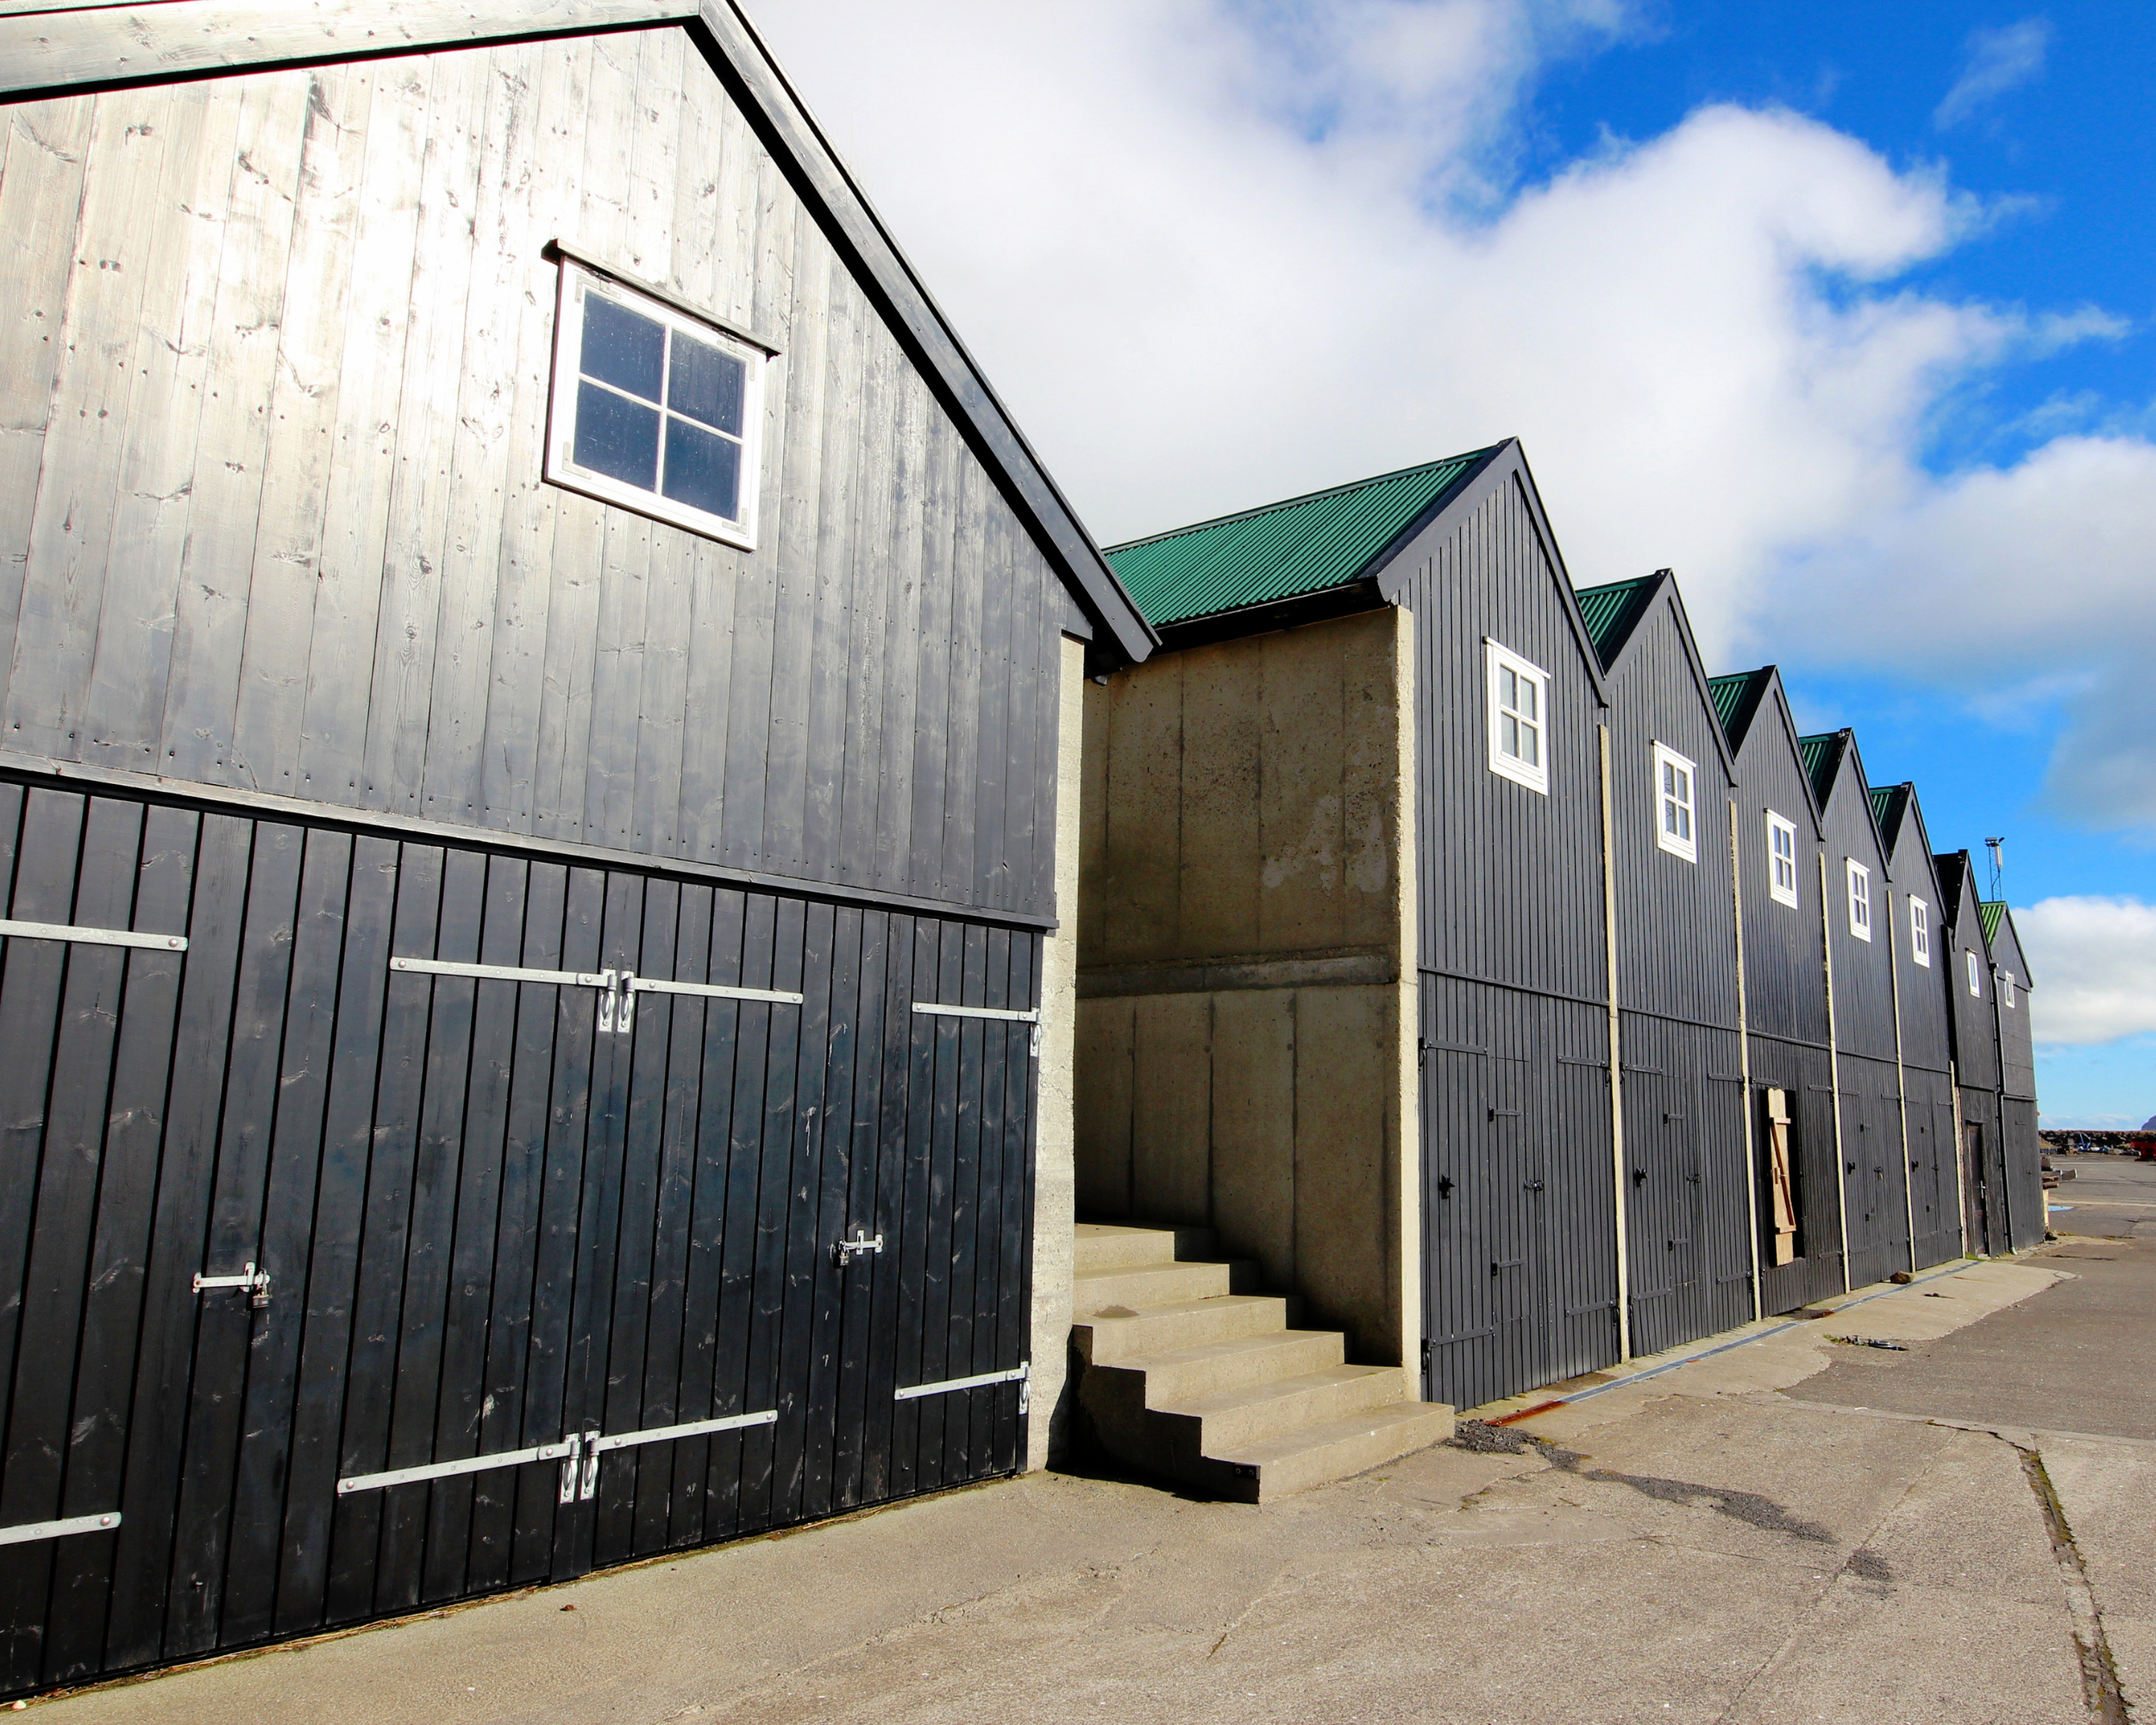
(1859, 901)
(1675, 782)
(653, 410)
(1921, 932)
(1975, 975)
(1781, 859)
(1519, 718)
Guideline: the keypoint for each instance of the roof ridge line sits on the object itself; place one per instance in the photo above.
(1257, 510)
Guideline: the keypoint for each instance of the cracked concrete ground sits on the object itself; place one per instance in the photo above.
(1745, 1538)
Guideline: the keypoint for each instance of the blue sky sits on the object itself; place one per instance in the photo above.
(1846, 313)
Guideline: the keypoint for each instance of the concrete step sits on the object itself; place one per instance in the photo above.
(1213, 1368)
(1125, 1291)
(1107, 1247)
(1272, 1467)
(1232, 1421)
(1181, 1324)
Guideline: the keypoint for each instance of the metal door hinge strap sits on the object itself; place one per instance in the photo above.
(1019, 1374)
(446, 1469)
(693, 1428)
(715, 991)
(503, 973)
(256, 1282)
(93, 937)
(1031, 1016)
(24, 1532)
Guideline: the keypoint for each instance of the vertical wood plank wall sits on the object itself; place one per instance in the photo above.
(272, 395)
(1520, 1276)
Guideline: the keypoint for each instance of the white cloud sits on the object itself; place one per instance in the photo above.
(1993, 62)
(1216, 253)
(2093, 962)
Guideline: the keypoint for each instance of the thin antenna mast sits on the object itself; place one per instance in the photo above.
(1997, 848)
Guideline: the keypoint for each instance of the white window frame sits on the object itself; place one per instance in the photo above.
(2006, 989)
(1780, 893)
(1859, 899)
(561, 469)
(1975, 974)
(1667, 761)
(1497, 658)
(1920, 932)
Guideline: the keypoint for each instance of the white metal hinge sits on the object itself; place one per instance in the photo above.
(617, 1001)
(256, 1282)
(92, 936)
(1021, 1375)
(23, 1532)
(578, 1453)
(1032, 1017)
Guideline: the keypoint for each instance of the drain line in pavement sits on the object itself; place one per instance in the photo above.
(2099, 1674)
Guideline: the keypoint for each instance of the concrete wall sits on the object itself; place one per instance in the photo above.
(1246, 1019)
(1054, 1183)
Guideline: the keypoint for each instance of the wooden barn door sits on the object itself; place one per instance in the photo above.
(382, 1224)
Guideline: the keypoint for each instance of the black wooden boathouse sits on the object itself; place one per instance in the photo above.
(528, 818)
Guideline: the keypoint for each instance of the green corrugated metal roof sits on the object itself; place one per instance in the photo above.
(1886, 809)
(1988, 912)
(1301, 545)
(1731, 693)
(1609, 612)
(1818, 754)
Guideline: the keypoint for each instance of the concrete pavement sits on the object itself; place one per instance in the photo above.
(1726, 1541)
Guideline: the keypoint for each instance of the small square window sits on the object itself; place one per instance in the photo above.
(1676, 799)
(1519, 718)
(1859, 899)
(1921, 932)
(1975, 975)
(653, 410)
(2006, 989)
(1781, 859)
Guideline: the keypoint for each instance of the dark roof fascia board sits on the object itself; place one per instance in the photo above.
(938, 348)
(1748, 706)
(1506, 464)
(2010, 945)
(1914, 832)
(50, 54)
(1666, 595)
(1957, 882)
(1655, 582)
(1789, 734)
(1849, 760)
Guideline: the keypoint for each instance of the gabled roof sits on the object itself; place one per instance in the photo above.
(1737, 699)
(1611, 611)
(1988, 913)
(56, 52)
(1284, 550)
(1887, 804)
(1956, 883)
(2004, 939)
(1821, 755)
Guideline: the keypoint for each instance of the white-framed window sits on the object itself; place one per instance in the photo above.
(653, 410)
(1519, 718)
(1859, 899)
(1975, 975)
(1675, 804)
(1781, 859)
(2006, 989)
(1921, 932)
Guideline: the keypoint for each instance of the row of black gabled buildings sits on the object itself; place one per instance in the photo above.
(556, 999)
(1701, 1026)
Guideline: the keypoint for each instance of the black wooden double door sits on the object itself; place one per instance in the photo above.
(551, 1216)
(1519, 1267)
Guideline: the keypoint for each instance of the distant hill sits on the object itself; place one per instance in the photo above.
(2149, 1124)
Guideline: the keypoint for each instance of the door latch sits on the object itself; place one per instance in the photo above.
(844, 1251)
(579, 1469)
(256, 1282)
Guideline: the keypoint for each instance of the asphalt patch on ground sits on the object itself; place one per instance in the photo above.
(1748, 1507)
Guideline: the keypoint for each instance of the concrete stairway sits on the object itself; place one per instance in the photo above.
(1188, 1373)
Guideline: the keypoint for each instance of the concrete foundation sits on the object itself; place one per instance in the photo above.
(1246, 1026)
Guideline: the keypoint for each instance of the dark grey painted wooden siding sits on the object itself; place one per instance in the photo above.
(1677, 933)
(1974, 1025)
(1805, 1072)
(1510, 882)
(1864, 977)
(1785, 970)
(2017, 1049)
(273, 389)
(1518, 1205)
(1986, 1197)
(1874, 1169)
(1926, 1040)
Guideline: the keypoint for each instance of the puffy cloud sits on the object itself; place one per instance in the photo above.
(1993, 62)
(2094, 965)
(1216, 253)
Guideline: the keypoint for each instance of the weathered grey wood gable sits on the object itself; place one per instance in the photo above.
(272, 397)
